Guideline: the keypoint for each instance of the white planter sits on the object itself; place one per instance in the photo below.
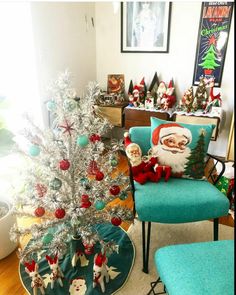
(6, 222)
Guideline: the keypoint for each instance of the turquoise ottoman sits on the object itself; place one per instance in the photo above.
(205, 268)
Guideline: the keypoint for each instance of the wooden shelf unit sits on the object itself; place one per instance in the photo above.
(140, 117)
(113, 113)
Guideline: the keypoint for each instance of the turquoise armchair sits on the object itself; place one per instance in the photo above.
(176, 201)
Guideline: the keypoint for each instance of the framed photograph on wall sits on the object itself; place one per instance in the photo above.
(145, 26)
(212, 42)
(116, 83)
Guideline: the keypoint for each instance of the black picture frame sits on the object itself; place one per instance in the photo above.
(213, 35)
(145, 26)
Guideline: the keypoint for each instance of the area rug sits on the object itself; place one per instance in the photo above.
(163, 235)
(79, 280)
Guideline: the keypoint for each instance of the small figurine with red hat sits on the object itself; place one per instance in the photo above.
(100, 271)
(36, 280)
(143, 171)
(56, 274)
(168, 99)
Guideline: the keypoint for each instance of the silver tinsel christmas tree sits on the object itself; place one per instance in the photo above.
(70, 178)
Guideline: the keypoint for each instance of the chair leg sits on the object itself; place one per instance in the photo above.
(216, 229)
(146, 245)
(153, 285)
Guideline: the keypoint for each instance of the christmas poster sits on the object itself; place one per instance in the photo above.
(212, 41)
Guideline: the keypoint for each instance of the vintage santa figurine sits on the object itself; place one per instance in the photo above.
(168, 99)
(143, 170)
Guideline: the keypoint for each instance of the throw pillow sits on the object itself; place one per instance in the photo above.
(181, 146)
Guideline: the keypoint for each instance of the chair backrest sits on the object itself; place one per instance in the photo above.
(142, 136)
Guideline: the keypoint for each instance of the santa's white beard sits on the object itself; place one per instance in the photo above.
(177, 161)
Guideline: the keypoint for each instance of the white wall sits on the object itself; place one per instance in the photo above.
(64, 39)
(177, 64)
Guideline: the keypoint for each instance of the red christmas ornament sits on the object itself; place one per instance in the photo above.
(39, 212)
(60, 213)
(115, 190)
(85, 203)
(41, 189)
(93, 168)
(88, 248)
(95, 137)
(99, 176)
(64, 164)
(116, 221)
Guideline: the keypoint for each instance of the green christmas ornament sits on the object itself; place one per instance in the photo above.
(55, 184)
(84, 181)
(82, 140)
(51, 105)
(99, 205)
(34, 150)
(114, 162)
(69, 105)
(123, 196)
(47, 238)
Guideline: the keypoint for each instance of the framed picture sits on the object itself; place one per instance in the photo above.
(212, 42)
(145, 26)
(116, 84)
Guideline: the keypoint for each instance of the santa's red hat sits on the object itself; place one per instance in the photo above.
(165, 130)
(128, 142)
(136, 88)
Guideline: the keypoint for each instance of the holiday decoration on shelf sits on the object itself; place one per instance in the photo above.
(200, 98)
(69, 181)
(149, 101)
(154, 86)
(187, 100)
(142, 90)
(166, 98)
(213, 100)
(144, 170)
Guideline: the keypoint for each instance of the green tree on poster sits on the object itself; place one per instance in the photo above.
(209, 62)
(195, 165)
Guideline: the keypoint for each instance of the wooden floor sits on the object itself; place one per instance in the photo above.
(9, 278)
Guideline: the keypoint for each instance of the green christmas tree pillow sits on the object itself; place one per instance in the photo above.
(181, 146)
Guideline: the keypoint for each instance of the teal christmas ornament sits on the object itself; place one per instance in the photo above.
(34, 150)
(55, 184)
(114, 162)
(51, 105)
(82, 140)
(84, 181)
(99, 205)
(47, 239)
(69, 105)
(123, 196)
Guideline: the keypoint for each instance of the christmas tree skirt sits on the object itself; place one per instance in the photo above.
(119, 266)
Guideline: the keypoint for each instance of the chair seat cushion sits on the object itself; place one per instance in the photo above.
(179, 201)
(198, 269)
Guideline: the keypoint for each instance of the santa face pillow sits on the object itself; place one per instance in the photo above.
(181, 146)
